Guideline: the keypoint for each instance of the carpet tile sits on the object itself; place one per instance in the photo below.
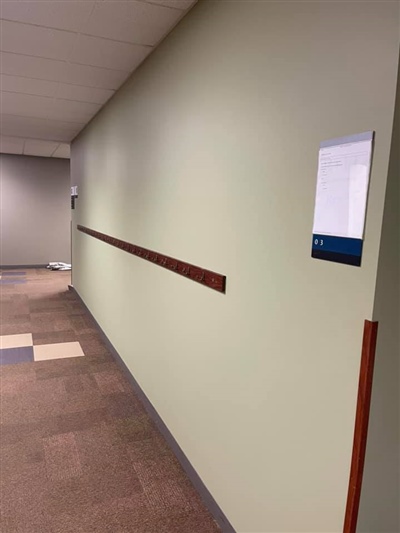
(78, 452)
(16, 341)
(59, 350)
(10, 356)
(62, 457)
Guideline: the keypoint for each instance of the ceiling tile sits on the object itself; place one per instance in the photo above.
(109, 54)
(61, 15)
(11, 145)
(35, 40)
(19, 84)
(134, 22)
(61, 60)
(36, 128)
(70, 111)
(25, 105)
(92, 76)
(39, 148)
(83, 94)
(63, 151)
(50, 69)
(176, 4)
(31, 67)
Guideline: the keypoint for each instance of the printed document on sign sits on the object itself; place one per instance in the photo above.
(342, 189)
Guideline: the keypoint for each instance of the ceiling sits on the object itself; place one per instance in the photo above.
(61, 60)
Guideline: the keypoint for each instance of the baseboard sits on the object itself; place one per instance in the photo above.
(13, 267)
(204, 493)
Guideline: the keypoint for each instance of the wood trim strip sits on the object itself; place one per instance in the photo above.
(361, 425)
(210, 279)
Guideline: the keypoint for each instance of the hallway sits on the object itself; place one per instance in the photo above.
(78, 452)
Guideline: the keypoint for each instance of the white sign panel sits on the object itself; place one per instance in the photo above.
(342, 186)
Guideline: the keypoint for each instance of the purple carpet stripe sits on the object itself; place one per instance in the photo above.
(12, 356)
(6, 281)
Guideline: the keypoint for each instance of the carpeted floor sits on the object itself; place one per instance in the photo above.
(78, 452)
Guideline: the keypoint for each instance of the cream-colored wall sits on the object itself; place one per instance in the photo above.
(379, 508)
(209, 154)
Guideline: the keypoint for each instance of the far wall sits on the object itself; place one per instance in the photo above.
(35, 210)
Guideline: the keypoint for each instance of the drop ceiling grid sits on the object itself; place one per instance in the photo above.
(21, 146)
(62, 60)
(73, 15)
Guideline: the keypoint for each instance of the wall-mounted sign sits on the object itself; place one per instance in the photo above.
(341, 199)
(74, 194)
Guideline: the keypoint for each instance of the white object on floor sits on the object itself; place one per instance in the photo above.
(59, 265)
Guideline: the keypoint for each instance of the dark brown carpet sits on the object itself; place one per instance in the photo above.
(78, 452)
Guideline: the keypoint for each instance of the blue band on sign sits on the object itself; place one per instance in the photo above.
(339, 249)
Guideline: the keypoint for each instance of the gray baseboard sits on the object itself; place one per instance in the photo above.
(209, 501)
(13, 267)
